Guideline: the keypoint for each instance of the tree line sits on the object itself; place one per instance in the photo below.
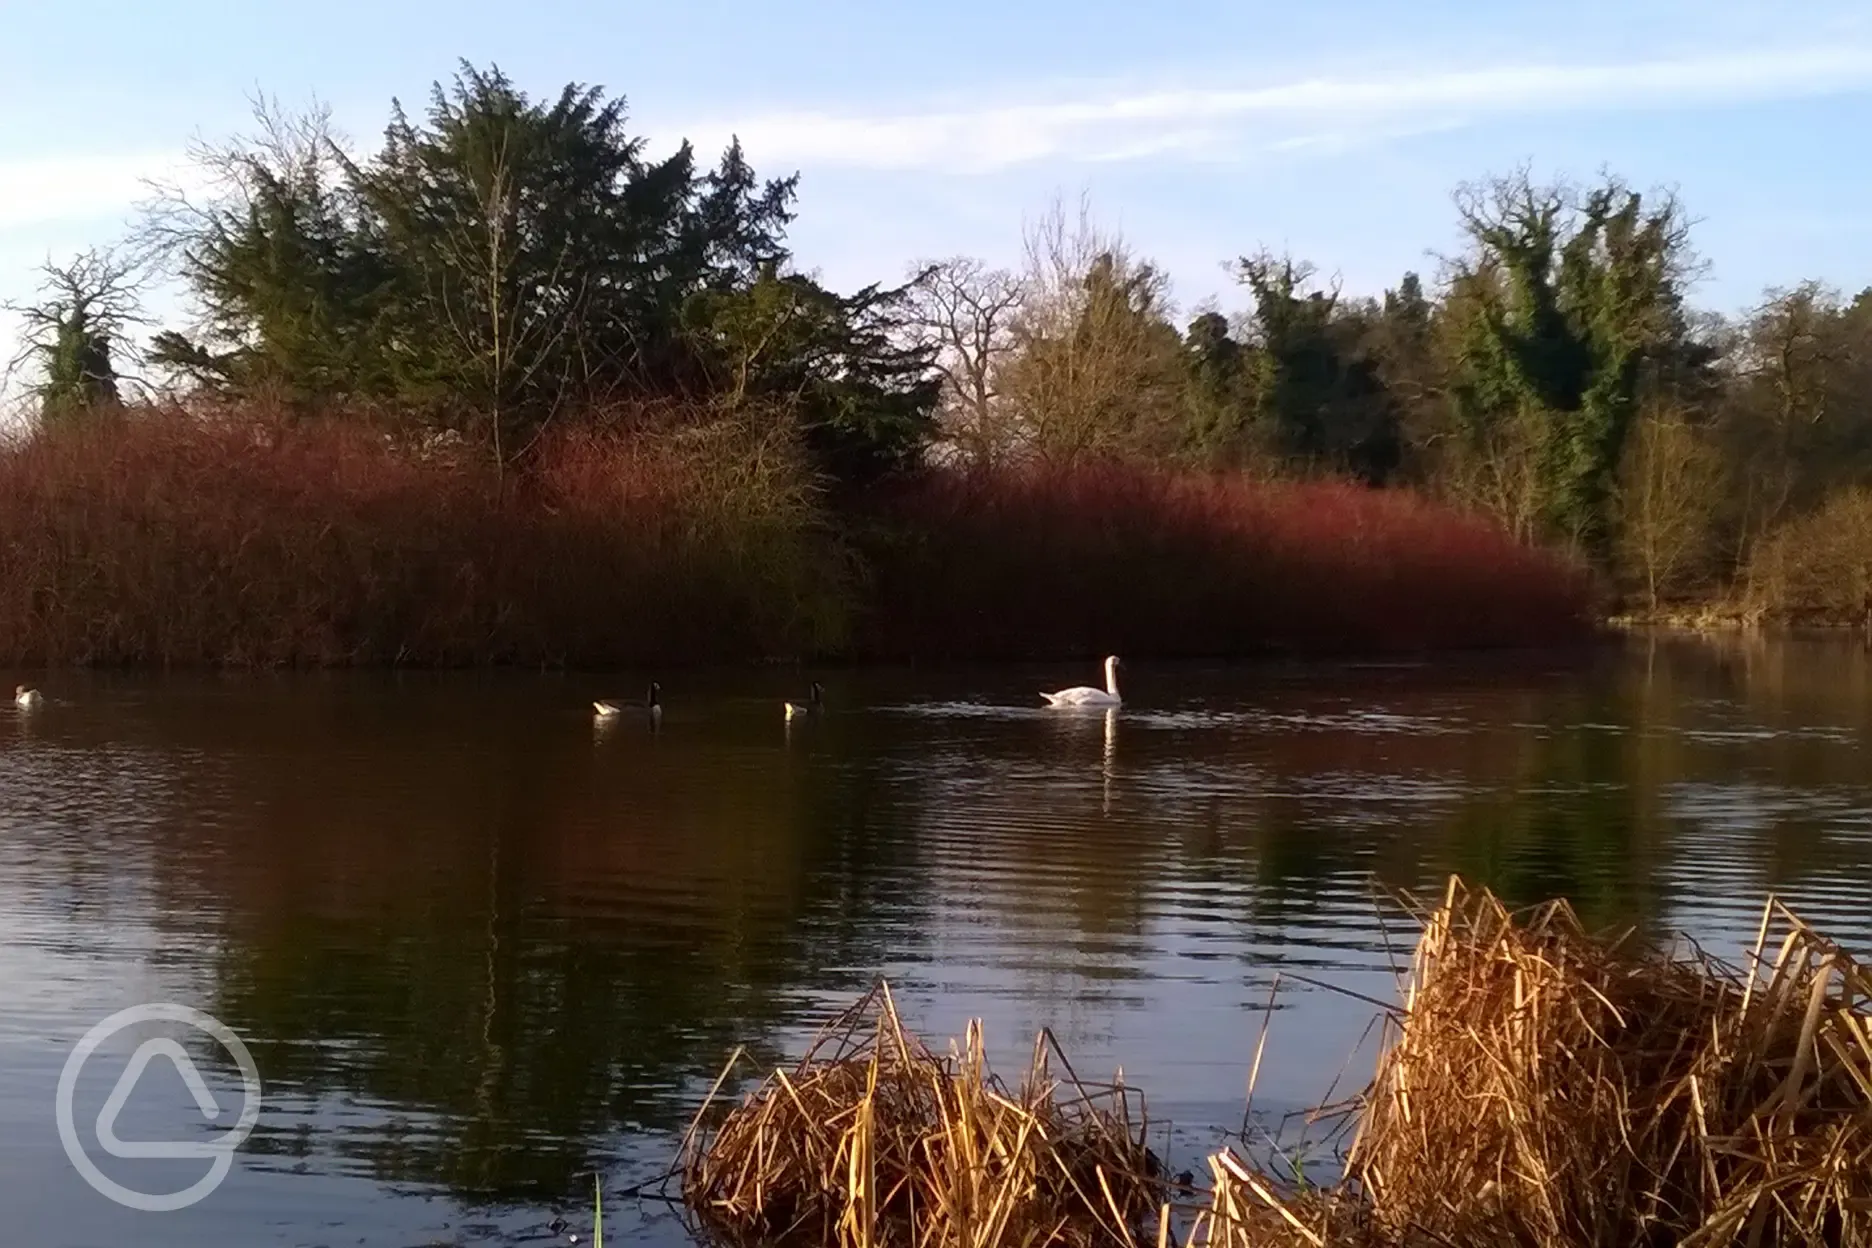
(502, 264)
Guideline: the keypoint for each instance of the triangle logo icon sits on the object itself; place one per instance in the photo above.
(178, 1057)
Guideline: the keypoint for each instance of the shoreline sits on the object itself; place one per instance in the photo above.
(1730, 619)
(1357, 659)
(1608, 631)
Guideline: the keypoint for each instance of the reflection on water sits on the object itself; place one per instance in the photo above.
(481, 945)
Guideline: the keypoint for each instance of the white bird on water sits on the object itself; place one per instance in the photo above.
(652, 703)
(26, 697)
(813, 707)
(1086, 695)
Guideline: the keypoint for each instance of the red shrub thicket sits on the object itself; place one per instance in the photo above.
(162, 537)
(1048, 562)
(173, 538)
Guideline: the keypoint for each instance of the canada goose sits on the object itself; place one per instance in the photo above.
(651, 703)
(813, 706)
(1086, 695)
(26, 697)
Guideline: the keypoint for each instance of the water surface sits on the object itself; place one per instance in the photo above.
(480, 947)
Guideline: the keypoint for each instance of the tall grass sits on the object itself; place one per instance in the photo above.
(1082, 561)
(168, 537)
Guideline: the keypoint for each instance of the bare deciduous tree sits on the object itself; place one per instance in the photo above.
(1778, 427)
(1495, 471)
(1668, 499)
(1096, 366)
(965, 308)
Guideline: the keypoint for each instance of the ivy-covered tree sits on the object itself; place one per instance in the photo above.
(1403, 344)
(1219, 396)
(73, 335)
(1569, 294)
(1303, 389)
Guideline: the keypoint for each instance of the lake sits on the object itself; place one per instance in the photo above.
(479, 946)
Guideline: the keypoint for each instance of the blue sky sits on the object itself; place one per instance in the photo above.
(1203, 130)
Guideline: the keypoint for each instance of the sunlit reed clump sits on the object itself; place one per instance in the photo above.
(1542, 1088)
(872, 1139)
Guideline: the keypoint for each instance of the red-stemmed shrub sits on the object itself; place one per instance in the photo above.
(1044, 562)
(166, 537)
(169, 536)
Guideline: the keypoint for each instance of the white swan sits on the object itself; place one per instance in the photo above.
(1086, 695)
(813, 707)
(26, 697)
(651, 702)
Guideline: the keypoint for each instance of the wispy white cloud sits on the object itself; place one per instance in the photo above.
(47, 190)
(1226, 119)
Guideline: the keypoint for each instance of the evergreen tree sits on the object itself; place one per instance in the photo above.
(1316, 392)
(505, 261)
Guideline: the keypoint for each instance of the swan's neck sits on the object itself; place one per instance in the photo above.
(1111, 678)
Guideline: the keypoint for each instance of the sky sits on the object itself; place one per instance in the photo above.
(1336, 130)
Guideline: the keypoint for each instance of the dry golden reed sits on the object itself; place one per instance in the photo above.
(1540, 1087)
(1543, 1088)
(872, 1139)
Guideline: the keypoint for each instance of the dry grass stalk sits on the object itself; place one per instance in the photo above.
(1545, 1088)
(1248, 1209)
(872, 1139)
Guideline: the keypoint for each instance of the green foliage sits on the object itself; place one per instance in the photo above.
(1302, 388)
(863, 392)
(1314, 385)
(1567, 298)
(292, 294)
(1219, 397)
(506, 260)
(71, 336)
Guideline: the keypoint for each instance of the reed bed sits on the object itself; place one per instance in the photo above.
(875, 1140)
(1541, 1087)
